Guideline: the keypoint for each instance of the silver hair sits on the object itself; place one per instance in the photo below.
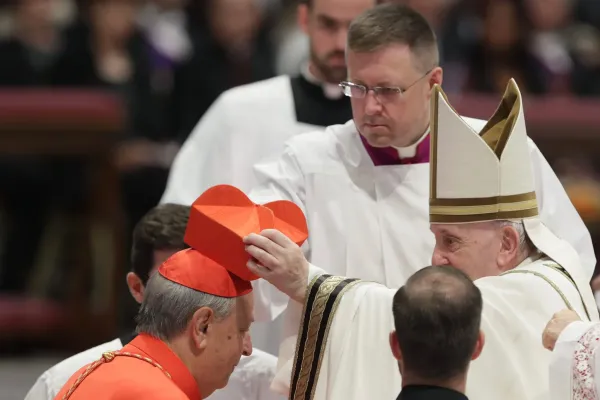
(168, 307)
(525, 245)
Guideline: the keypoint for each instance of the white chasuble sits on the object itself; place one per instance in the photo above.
(336, 345)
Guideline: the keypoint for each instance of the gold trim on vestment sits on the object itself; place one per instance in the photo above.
(108, 357)
(433, 140)
(566, 274)
(555, 267)
(322, 299)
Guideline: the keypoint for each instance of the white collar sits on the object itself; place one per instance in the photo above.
(411, 151)
(330, 90)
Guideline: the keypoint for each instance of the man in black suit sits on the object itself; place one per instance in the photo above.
(437, 316)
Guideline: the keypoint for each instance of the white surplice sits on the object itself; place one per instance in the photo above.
(575, 367)
(244, 125)
(372, 222)
(513, 364)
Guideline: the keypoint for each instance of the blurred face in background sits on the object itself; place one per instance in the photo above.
(326, 23)
(502, 26)
(114, 19)
(234, 23)
(432, 10)
(547, 15)
(170, 4)
(32, 14)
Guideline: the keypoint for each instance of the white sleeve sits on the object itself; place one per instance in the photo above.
(204, 160)
(278, 179)
(41, 390)
(558, 213)
(575, 362)
(356, 335)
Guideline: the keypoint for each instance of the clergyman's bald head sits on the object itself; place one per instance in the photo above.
(437, 316)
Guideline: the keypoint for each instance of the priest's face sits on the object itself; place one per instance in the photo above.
(397, 112)
(476, 249)
(326, 23)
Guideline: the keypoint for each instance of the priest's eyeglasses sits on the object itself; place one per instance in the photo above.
(382, 93)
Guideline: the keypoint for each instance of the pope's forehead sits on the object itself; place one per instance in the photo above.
(465, 228)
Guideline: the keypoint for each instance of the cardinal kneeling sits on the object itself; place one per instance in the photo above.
(194, 321)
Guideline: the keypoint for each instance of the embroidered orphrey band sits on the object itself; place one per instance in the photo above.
(565, 274)
(323, 297)
(108, 357)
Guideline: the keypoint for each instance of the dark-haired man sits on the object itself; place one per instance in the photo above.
(437, 316)
(155, 238)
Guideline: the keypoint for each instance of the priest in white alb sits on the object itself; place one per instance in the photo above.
(484, 212)
(364, 185)
(250, 122)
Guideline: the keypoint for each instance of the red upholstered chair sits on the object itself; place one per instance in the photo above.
(65, 123)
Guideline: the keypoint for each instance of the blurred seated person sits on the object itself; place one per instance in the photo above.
(165, 27)
(104, 49)
(27, 56)
(503, 52)
(230, 48)
(567, 48)
(28, 53)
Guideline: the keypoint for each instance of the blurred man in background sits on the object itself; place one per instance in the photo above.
(250, 122)
(27, 55)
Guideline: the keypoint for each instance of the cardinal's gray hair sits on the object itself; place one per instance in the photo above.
(168, 307)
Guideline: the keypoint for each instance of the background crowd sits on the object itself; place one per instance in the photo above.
(166, 61)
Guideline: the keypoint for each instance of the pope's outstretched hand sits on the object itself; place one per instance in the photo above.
(279, 261)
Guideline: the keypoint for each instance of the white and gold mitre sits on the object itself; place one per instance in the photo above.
(487, 176)
(480, 176)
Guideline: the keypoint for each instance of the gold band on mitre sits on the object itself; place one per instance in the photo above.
(448, 211)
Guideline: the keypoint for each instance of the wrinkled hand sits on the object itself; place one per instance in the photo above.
(556, 325)
(279, 261)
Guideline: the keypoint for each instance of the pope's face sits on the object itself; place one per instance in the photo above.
(391, 119)
(326, 22)
(473, 248)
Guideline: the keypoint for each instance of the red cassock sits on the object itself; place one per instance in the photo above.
(144, 369)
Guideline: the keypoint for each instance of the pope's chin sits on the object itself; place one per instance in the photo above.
(377, 135)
